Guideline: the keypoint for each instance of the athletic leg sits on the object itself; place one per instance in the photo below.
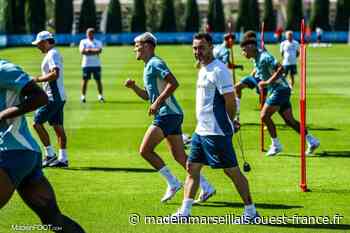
(7, 188)
(40, 197)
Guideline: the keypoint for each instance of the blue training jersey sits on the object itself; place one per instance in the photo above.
(222, 53)
(14, 132)
(154, 74)
(265, 65)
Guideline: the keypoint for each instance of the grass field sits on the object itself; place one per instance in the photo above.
(107, 179)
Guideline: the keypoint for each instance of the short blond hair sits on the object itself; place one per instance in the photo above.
(289, 32)
(146, 37)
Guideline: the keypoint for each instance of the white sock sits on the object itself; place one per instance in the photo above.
(166, 173)
(309, 138)
(238, 106)
(186, 206)
(275, 141)
(100, 96)
(49, 151)
(82, 97)
(250, 210)
(203, 183)
(62, 155)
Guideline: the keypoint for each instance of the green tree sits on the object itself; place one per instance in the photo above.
(294, 14)
(254, 15)
(35, 15)
(243, 21)
(114, 17)
(320, 15)
(5, 16)
(64, 16)
(342, 16)
(269, 16)
(216, 17)
(168, 20)
(192, 16)
(153, 15)
(180, 15)
(18, 17)
(87, 17)
(138, 19)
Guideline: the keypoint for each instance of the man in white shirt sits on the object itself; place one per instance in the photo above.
(91, 48)
(290, 51)
(212, 140)
(52, 79)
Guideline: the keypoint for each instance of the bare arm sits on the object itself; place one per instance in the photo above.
(91, 51)
(171, 85)
(139, 91)
(253, 72)
(230, 104)
(33, 97)
(52, 75)
(273, 77)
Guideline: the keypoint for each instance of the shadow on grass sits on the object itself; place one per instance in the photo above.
(313, 226)
(286, 127)
(323, 154)
(112, 169)
(125, 102)
(219, 204)
(258, 205)
(336, 154)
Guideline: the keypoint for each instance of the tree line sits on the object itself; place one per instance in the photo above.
(30, 16)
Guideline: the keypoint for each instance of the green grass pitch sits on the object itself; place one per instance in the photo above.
(108, 180)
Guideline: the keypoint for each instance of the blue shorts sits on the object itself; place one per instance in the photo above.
(52, 112)
(95, 71)
(213, 150)
(290, 68)
(252, 82)
(170, 124)
(279, 98)
(21, 165)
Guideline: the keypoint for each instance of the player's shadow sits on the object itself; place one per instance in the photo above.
(258, 205)
(313, 226)
(112, 169)
(282, 126)
(335, 154)
(124, 102)
(323, 154)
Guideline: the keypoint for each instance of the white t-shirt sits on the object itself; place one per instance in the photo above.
(90, 60)
(213, 81)
(289, 50)
(54, 89)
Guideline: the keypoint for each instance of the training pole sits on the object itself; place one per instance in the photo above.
(262, 96)
(231, 42)
(303, 185)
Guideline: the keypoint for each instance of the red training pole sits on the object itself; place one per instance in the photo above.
(303, 184)
(262, 96)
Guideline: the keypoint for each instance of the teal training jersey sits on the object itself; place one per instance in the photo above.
(153, 77)
(222, 53)
(265, 65)
(14, 132)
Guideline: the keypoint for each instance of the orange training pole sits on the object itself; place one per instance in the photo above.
(262, 96)
(303, 184)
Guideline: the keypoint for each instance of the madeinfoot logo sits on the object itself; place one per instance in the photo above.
(34, 227)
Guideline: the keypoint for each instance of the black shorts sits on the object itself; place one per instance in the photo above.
(95, 71)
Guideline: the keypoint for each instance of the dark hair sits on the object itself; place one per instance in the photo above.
(249, 34)
(248, 41)
(229, 36)
(51, 41)
(203, 35)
